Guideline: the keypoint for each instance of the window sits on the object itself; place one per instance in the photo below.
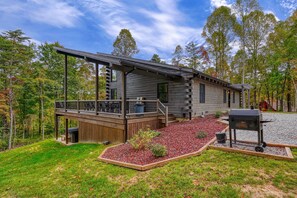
(113, 95)
(225, 95)
(233, 96)
(113, 75)
(162, 92)
(202, 93)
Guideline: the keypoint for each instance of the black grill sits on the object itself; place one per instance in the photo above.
(247, 119)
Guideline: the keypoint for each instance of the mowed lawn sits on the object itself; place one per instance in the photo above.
(49, 169)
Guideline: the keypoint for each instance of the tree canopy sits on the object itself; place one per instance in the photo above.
(125, 44)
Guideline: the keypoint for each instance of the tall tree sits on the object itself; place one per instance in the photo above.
(196, 56)
(192, 55)
(125, 44)
(219, 34)
(282, 44)
(242, 8)
(178, 55)
(258, 25)
(15, 56)
(156, 58)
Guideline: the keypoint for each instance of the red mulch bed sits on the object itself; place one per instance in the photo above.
(179, 138)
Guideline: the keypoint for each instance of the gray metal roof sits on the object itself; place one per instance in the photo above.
(240, 86)
(133, 63)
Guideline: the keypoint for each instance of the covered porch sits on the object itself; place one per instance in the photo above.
(110, 120)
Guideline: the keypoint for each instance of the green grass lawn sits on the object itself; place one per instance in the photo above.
(49, 169)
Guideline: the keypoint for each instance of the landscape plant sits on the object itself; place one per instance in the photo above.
(158, 150)
(201, 134)
(142, 138)
(218, 114)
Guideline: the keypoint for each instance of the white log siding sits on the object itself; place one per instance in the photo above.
(178, 104)
(214, 98)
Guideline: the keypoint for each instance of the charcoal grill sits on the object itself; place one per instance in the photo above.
(249, 120)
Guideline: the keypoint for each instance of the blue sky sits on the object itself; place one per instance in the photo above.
(92, 25)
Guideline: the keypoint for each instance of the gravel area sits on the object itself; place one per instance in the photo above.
(251, 147)
(282, 130)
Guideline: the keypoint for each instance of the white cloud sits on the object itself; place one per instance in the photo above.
(53, 12)
(271, 12)
(36, 42)
(155, 31)
(219, 3)
(290, 5)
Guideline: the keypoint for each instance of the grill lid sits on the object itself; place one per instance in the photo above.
(245, 112)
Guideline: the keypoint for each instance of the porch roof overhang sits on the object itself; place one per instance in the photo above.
(241, 86)
(144, 67)
(128, 64)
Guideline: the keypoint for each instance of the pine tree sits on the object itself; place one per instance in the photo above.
(156, 58)
(125, 45)
(178, 55)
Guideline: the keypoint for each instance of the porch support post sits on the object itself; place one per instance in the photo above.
(56, 126)
(243, 96)
(66, 130)
(124, 104)
(249, 98)
(65, 83)
(97, 89)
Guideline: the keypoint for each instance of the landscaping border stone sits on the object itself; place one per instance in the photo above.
(289, 156)
(155, 164)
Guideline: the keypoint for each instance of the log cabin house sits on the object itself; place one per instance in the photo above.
(139, 94)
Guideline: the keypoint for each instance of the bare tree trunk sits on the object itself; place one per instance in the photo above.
(283, 94)
(272, 98)
(295, 87)
(10, 113)
(289, 102)
(42, 111)
(277, 99)
(267, 93)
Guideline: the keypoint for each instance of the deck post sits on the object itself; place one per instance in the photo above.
(124, 104)
(66, 130)
(166, 116)
(97, 89)
(65, 83)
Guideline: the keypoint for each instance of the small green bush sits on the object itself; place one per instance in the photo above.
(158, 150)
(154, 133)
(218, 114)
(201, 135)
(141, 139)
(3, 145)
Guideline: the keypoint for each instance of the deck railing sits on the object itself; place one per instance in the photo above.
(114, 107)
(163, 110)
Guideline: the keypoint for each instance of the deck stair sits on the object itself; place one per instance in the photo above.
(171, 119)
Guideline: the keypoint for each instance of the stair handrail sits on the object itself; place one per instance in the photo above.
(165, 112)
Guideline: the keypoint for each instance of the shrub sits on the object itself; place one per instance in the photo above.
(218, 114)
(201, 134)
(3, 145)
(154, 133)
(158, 150)
(141, 139)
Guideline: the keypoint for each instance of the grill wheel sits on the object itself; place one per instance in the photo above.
(259, 149)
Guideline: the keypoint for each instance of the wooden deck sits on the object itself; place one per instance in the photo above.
(108, 122)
